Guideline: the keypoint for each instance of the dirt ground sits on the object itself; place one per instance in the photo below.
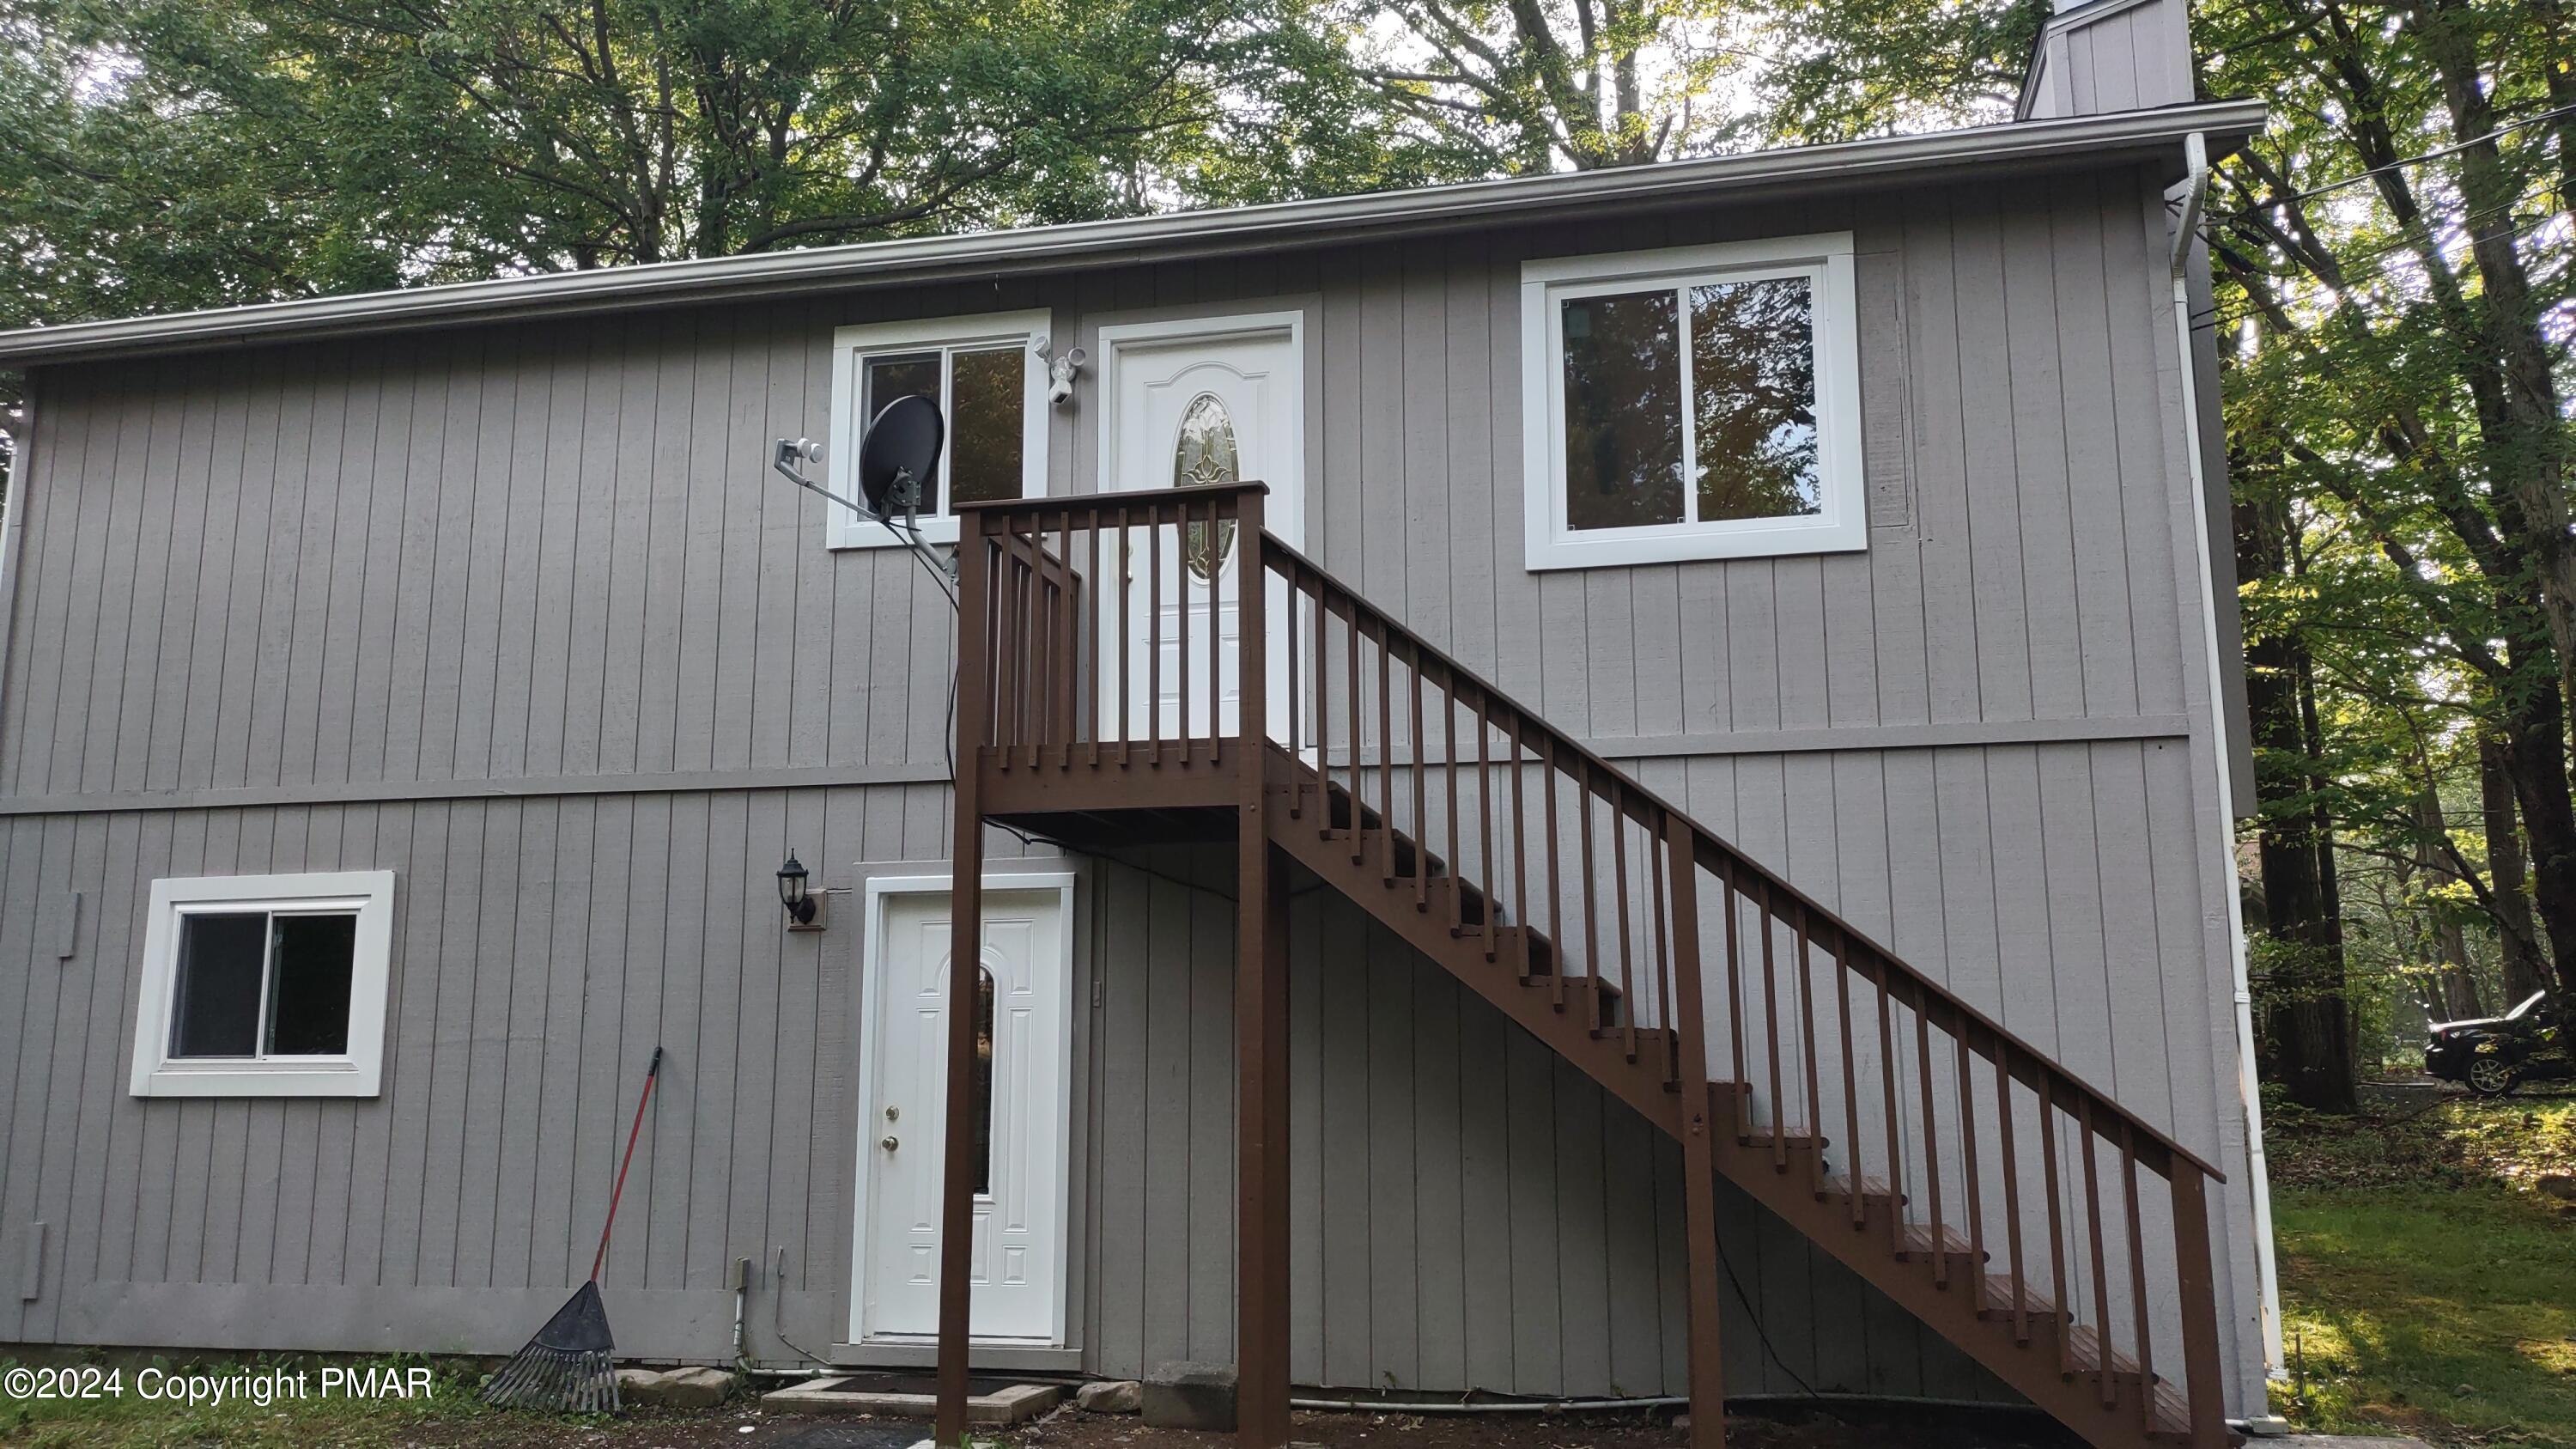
(1789, 1428)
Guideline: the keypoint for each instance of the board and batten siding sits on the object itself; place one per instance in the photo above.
(543, 574)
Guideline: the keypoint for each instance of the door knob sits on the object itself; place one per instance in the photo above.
(889, 1144)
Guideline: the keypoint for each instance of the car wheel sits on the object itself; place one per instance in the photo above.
(2490, 1077)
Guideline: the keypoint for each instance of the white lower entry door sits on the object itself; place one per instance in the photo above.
(1203, 400)
(1026, 976)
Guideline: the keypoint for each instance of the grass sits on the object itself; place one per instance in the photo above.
(129, 1420)
(2428, 1275)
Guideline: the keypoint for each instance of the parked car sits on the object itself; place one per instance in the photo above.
(2493, 1055)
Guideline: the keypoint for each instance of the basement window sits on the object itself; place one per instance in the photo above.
(990, 384)
(268, 985)
(1691, 403)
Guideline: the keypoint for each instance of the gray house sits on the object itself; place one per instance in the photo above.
(1794, 582)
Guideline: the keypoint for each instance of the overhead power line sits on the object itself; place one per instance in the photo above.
(2359, 177)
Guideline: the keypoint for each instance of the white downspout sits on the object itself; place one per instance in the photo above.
(2258, 1169)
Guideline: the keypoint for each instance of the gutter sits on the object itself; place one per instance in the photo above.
(2054, 143)
(13, 521)
(2249, 1090)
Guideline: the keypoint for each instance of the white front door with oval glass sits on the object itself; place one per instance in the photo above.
(1021, 1124)
(1194, 402)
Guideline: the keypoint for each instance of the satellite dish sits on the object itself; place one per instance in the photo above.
(903, 443)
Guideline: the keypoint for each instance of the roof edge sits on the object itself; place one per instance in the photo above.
(1132, 239)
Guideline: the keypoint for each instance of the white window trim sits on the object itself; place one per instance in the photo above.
(370, 893)
(842, 528)
(1841, 525)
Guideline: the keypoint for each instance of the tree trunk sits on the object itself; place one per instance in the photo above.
(2307, 1036)
(2525, 969)
(2535, 751)
(2455, 991)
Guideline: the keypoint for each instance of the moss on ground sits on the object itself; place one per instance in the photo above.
(2428, 1271)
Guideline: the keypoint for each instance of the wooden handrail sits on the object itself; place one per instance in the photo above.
(1645, 807)
(1188, 575)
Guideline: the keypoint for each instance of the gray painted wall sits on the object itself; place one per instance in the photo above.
(2110, 55)
(378, 584)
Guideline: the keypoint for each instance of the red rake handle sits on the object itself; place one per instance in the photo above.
(652, 1074)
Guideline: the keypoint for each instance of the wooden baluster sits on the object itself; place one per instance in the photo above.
(1520, 844)
(1740, 1083)
(2103, 1381)
(1181, 580)
(1091, 609)
(1887, 1083)
(1216, 633)
(1359, 768)
(1323, 709)
(1591, 911)
(1767, 918)
(1006, 691)
(1154, 632)
(1485, 867)
(1971, 1180)
(1807, 1025)
(1386, 762)
(2061, 1285)
(1126, 705)
(1042, 642)
(2012, 1190)
(1627, 970)
(2138, 1276)
(1033, 652)
(1069, 670)
(1662, 961)
(1421, 783)
(1931, 1135)
(1295, 696)
(1555, 848)
(1449, 763)
(1851, 1083)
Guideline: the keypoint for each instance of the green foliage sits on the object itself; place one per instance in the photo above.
(1842, 69)
(180, 153)
(1518, 86)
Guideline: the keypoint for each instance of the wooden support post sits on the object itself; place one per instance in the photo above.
(1260, 1033)
(1699, 1158)
(2194, 1276)
(1261, 1105)
(965, 954)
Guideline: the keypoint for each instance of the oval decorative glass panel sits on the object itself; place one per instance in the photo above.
(1203, 456)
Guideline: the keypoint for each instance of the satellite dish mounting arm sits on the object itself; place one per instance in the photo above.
(905, 494)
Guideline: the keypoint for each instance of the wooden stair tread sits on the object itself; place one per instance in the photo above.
(1918, 1240)
(1837, 1188)
(1999, 1299)
(1472, 934)
(2084, 1357)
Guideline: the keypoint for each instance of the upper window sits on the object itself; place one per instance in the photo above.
(1700, 402)
(990, 384)
(265, 985)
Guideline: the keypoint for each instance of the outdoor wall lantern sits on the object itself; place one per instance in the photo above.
(804, 909)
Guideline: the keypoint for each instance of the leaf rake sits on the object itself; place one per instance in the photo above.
(570, 1366)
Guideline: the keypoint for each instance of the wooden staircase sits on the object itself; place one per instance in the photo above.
(2051, 1234)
